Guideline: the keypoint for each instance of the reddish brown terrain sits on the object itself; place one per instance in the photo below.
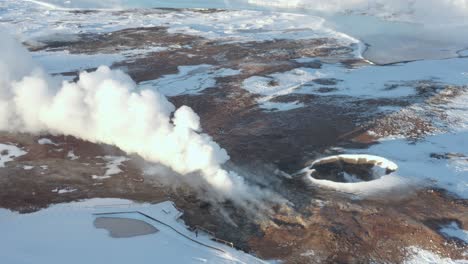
(319, 225)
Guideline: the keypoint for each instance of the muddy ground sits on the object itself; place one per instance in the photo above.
(321, 226)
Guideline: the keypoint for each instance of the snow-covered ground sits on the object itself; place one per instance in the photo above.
(439, 160)
(416, 10)
(63, 61)
(118, 4)
(421, 256)
(33, 22)
(416, 167)
(28, 167)
(46, 141)
(189, 80)
(395, 30)
(64, 190)
(9, 152)
(415, 161)
(371, 81)
(454, 230)
(65, 233)
(398, 30)
(429, 11)
(113, 164)
(72, 156)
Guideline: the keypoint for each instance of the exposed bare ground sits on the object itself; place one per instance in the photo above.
(336, 227)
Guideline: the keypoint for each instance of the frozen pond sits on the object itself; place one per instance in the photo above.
(124, 227)
(65, 233)
(393, 41)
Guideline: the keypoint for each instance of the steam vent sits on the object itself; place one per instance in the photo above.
(351, 168)
(234, 131)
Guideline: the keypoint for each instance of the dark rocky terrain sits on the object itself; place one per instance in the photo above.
(320, 226)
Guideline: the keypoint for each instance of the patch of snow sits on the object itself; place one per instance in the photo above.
(454, 230)
(280, 83)
(370, 81)
(463, 53)
(112, 167)
(280, 106)
(189, 80)
(419, 169)
(389, 109)
(31, 21)
(377, 81)
(419, 164)
(26, 167)
(419, 256)
(384, 184)
(9, 153)
(45, 236)
(46, 141)
(360, 159)
(71, 155)
(44, 167)
(62, 191)
(137, 53)
(63, 61)
(96, 177)
(100, 202)
(456, 111)
(113, 163)
(416, 11)
(55, 62)
(308, 253)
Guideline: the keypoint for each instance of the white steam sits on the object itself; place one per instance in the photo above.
(105, 107)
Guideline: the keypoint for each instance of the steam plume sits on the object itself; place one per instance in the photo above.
(105, 107)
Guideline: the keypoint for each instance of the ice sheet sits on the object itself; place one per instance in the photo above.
(65, 232)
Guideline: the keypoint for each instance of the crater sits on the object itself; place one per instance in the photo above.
(351, 168)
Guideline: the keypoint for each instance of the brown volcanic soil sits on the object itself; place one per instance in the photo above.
(336, 227)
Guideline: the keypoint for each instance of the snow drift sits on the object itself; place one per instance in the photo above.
(424, 11)
(105, 107)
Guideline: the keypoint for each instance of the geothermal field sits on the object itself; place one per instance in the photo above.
(234, 131)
